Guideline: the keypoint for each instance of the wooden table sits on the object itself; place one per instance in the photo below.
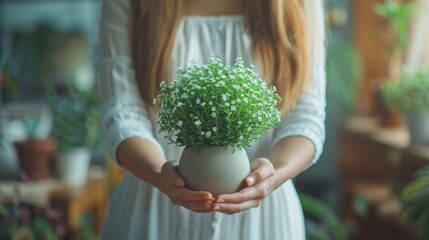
(75, 202)
(370, 157)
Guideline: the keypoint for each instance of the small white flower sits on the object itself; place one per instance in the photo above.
(180, 123)
(240, 122)
(241, 138)
(208, 134)
(198, 122)
(198, 101)
(203, 104)
(213, 109)
(214, 129)
(259, 118)
(213, 114)
(210, 103)
(233, 108)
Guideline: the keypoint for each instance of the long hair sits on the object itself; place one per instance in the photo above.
(280, 43)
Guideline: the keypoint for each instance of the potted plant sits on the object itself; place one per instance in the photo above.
(76, 128)
(398, 15)
(321, 222)
(415, 197)
(30, 126)
(215, 111)
(410, 95)
(21, 220)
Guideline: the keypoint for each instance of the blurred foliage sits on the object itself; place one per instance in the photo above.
(321, 222)
(415, 197)
(343, 72)
(8, 81)
(75, 117)
(399, 17)
(410, 94)
(23, 221)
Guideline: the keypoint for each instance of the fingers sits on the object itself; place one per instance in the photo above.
(231, 208)
(261, 169)
(168, 171)
(196, 206)
(260, 182)
(174, 188)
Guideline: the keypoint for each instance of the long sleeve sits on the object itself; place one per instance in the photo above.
(307, 118)
(123, 113)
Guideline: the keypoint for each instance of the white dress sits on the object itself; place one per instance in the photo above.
(140, 211)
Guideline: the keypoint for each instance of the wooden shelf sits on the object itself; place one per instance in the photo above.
(370, 157)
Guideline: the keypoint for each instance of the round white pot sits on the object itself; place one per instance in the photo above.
(418, 126)
(214, 169)
(73, 166)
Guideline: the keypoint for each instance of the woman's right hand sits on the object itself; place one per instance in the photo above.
(174, 188)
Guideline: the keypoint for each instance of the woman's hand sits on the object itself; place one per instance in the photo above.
(259, 184)
(174, 188)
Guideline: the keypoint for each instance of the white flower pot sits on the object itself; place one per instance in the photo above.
(214, 169)
(73, 166)
(418, 126)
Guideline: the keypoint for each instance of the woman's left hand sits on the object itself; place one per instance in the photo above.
(259, 184)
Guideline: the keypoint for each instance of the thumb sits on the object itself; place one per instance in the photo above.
(261, 169)
(170, 174)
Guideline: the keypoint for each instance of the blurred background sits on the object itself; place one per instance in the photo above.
(370, 183)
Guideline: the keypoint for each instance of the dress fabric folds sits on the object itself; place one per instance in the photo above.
(140, 211)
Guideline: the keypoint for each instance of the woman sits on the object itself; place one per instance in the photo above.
(143, 42)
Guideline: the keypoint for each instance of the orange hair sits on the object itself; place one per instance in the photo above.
(278, 30)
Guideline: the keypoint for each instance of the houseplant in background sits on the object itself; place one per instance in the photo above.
(410, 96)
(321, 222)
(75, 126)
(19, 220)
(216, 111)
(398, 15)
(415, 197)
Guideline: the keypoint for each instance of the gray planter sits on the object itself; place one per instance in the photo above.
(418, 126)
(214, 169)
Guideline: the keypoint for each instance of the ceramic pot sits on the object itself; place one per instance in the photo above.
(72, 166)
(214, 169)
(35, 157)
(418, 126)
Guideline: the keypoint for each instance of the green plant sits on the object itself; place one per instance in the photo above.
(217, 105)
(343, 71)
(8, 80)
(409, 94)
(19, 220)
(321, 222)
(75, 117)
(415, 197)
(399, 17)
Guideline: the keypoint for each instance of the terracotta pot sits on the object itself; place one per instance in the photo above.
(35, 157)
(214, 169)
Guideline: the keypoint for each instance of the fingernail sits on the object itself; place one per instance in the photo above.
(250, 181)
(216, 208)
(220, 200)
